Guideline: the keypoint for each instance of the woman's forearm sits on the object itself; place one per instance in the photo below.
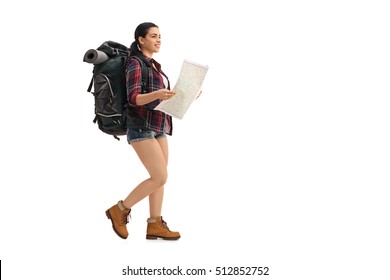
(146, 98)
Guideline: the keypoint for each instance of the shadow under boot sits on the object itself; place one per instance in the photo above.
(118, 215)
(157, 228)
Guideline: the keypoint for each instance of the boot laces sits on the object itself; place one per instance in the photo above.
(164, 224)
(125, 218)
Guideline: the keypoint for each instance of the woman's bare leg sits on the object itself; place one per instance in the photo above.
(156, 198)
(154, 159)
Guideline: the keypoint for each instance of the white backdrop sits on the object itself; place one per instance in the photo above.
(282, 162)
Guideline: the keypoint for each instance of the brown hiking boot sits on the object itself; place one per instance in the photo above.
(157, 228)
(118, 215)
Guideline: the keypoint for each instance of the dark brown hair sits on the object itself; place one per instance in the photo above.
(141, 30)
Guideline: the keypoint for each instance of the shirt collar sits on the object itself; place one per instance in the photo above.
(153, 61)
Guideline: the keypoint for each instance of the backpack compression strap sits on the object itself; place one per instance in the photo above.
(90, 85)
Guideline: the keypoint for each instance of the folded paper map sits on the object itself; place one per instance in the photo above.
(187, 88)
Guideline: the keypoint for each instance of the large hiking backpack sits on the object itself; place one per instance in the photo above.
(109, 83)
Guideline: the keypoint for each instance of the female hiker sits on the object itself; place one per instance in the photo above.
(147, 130)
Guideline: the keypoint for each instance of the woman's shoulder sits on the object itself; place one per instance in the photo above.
(133, 59)
(133, 62)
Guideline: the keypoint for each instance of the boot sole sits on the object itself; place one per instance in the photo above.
(154, 237)
(113, 227)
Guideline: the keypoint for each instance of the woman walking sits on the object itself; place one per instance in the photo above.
(146, 133)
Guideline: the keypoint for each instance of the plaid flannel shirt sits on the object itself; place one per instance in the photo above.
(144, 116)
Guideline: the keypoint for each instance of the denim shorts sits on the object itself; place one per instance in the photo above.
(139, 134)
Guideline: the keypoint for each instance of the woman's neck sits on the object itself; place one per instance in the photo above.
(147, 54)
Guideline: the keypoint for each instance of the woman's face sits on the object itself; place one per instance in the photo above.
(152, 41)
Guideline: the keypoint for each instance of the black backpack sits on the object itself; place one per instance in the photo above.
(109, 83)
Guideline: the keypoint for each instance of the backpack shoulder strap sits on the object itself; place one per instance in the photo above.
(145, 74)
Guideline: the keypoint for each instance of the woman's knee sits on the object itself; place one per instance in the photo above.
(159, 178)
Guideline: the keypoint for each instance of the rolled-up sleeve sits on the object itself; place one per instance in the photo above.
(133, 80)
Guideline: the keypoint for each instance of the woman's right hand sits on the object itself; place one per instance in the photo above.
(164, 94)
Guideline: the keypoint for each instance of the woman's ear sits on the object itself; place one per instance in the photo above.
(141, 40)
